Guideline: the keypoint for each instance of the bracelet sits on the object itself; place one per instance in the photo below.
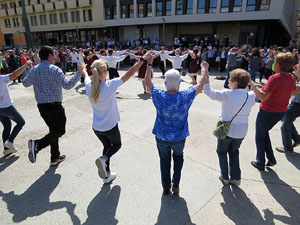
(149, 64)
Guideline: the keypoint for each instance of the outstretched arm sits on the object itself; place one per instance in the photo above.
(262, 95)
(19, 71)
(204, 79)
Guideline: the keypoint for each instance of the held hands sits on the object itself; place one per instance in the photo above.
(29, 64)
(82, 69)
(204, 65)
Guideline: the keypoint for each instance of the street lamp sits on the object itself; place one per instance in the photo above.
(26, 25)
(164, 23)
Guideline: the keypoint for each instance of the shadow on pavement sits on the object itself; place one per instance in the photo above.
(173, 210)
(82, 92)
(285, 195)
(144, 96)
(35, 200)
(102, 209)
(294, 159)
(239, 208)
(6, 161)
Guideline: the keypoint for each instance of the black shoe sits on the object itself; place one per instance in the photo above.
(254, 163)
(270, 163)
(296, 144)
(175, 189)
(282, 150)
(166, 191)
(57, 161)
(32, 146)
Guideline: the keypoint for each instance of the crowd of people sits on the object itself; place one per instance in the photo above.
(44, 69)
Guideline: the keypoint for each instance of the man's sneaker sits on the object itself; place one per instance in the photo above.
(100, 163)
(271, 163)
(57, 161)
(223, 180)
(282, 150)
(259, 167)
(32, 145)
(9, 151)
(296, 144)
(9, 145)
(235, 182)
(175, 189)
(166, 191)
(110, 178)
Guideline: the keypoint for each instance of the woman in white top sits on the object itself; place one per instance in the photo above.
(232, 101)
(102, 95)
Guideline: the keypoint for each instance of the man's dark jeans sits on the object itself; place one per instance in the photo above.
(111, 141)
(265, 121)
(55, 118)
(288, 130)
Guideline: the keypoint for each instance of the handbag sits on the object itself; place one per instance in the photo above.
(222, 126)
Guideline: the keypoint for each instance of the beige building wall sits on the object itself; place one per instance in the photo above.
(2, 41)
(52, 7)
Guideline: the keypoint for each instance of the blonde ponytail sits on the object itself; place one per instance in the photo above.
(98, 67)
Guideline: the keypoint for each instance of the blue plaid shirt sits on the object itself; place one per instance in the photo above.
(172, 111)
(48, 81)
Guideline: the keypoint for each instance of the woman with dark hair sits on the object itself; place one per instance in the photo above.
(254, 63)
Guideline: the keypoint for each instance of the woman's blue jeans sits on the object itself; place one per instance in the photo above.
(231, 147)
(164, 150)
(265, 121)
(6, 115)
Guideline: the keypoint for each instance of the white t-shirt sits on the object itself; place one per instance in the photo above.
(74, 57)
(5, 98)
(105, 111)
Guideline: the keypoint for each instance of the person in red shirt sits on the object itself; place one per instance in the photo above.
(274, 96)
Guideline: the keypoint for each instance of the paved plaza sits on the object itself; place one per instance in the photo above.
(73, 193)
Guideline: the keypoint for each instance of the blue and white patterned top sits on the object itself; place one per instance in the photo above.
(48, 81)
(172, 113)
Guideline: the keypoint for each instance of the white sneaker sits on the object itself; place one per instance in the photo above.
(110, 178)
(235, 182)
(225, 182)
(100, 163)
(9, 151)
(9, 145)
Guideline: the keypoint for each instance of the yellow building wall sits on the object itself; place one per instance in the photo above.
(2, 40)
(18, 38)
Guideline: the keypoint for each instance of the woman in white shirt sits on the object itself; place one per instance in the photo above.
(102, 95)
(232, 101)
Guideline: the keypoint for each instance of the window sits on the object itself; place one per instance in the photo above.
(225, 6)
(20, 3)
(123, 11)
(140, 10)
(87, 15)
(75, 16)
(29, 2)
(131, 11)
(53, 18)
(237, 7)
(107, 14)
(38, 1)
(265, 5)
(159, 9)
(149, 9)
(33, 20)
(189, 7)
(3, 6)
(179, 7)
(168, 8)
(115, 12)
(16, 22)
(43, 20)
(212, 6)
(7, 23)
(250, 5)
(63, 17)
(201, 7)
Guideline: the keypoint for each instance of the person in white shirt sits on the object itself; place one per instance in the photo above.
(8, 112)
(112, 63)
(236, 104)
(119, 53)
(163, 60)
(102, 96)
(81, 57)
(177, 59)
(74, 60)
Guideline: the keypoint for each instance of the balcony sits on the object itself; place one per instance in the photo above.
(60, 5)
(49, 6)
(29, 9)
(39, 8)
(71, 4)
(3, 13)
(19, 10)
(84, 3)
(11, 12)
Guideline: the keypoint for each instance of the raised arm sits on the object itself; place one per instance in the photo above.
(262, 95)
(137, 57)
(121, 58)
(19, 71)
(148, 80)
(204, 79)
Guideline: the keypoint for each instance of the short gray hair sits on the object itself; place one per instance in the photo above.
(172, 78)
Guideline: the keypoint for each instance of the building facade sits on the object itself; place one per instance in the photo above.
(60, 22)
